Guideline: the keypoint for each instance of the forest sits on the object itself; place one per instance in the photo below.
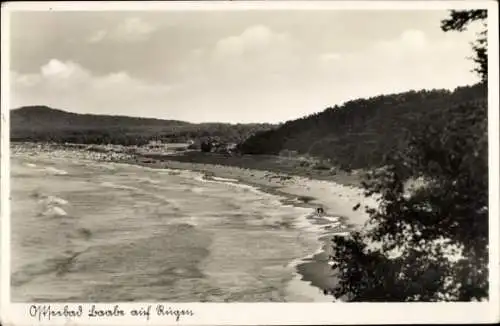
(361, 133)
(45, 124)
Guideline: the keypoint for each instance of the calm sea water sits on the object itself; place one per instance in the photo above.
(88, 231)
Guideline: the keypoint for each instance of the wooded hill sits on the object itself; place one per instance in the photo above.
(361, 132)
(42, 123)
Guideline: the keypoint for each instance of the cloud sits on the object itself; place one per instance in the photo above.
(255, 74)
(58, 71)
(253, 53)
(130, 30)
(260, 68)
(409, 61)
(249, 59)
(409, 43)
(256, 43)
(328, 58)
(414, 39)
(97, 36)
(69, 85)
(254, 38)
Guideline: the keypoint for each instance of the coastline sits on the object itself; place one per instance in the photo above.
(314, 273)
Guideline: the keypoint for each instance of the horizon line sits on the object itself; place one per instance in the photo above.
(339, 105)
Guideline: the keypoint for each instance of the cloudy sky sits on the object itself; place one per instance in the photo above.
(244, 66)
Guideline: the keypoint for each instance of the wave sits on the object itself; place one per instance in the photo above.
(106, 166)
(194, 175)
(297, 287)
(304, 223)
(317, 230)
(54, 211)
(31, 165)
(197, 190)
(84, 232)
(51, 204)
(59, 265)
(332, 219)
(51, 200)
(224, 179)
(342, 234)
(148, 180)
(55, 171)
(117, 186)
(183, 226)
(232, 182)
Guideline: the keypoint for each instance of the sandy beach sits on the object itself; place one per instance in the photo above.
(336, 199)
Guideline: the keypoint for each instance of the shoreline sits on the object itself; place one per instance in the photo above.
(314, 273)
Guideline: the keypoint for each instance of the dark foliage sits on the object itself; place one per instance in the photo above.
(206, 146)
(459, 20)
(360, 133)
(452, 204)
(41, 123)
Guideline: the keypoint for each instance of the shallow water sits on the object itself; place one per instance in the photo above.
(88, 231)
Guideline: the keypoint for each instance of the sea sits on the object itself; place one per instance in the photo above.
(87, 231)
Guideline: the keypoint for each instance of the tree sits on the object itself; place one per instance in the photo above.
(403, 255)
(459, 20)
(427, 243)
(206, 146)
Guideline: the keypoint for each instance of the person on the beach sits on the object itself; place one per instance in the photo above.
(320, 211)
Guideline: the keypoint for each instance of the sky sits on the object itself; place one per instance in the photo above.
(229, 66)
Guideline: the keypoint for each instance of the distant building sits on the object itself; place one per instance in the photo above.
(156, 145)
(289, 153)
(153, 143)
(224, 148)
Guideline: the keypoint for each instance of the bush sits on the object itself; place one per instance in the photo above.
(206, 147)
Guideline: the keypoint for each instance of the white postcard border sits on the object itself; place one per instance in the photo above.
(265, 313)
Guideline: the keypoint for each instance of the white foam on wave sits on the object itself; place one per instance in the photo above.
(249, 188)
(332, 219)
(31, 165)
(224, 179)
(232, 182)
(106, 166)
(303, 223)
(199, 177)
(191, 220)
(117, 186)
(197, 190)
(54, 211)
(148, 180)
(333, 225)
(297, 287)
(49, 200)
(342, 234)
(55, 171)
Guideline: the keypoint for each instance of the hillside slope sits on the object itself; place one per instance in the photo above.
(43, 117)
(360, 133)
(42, 123)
